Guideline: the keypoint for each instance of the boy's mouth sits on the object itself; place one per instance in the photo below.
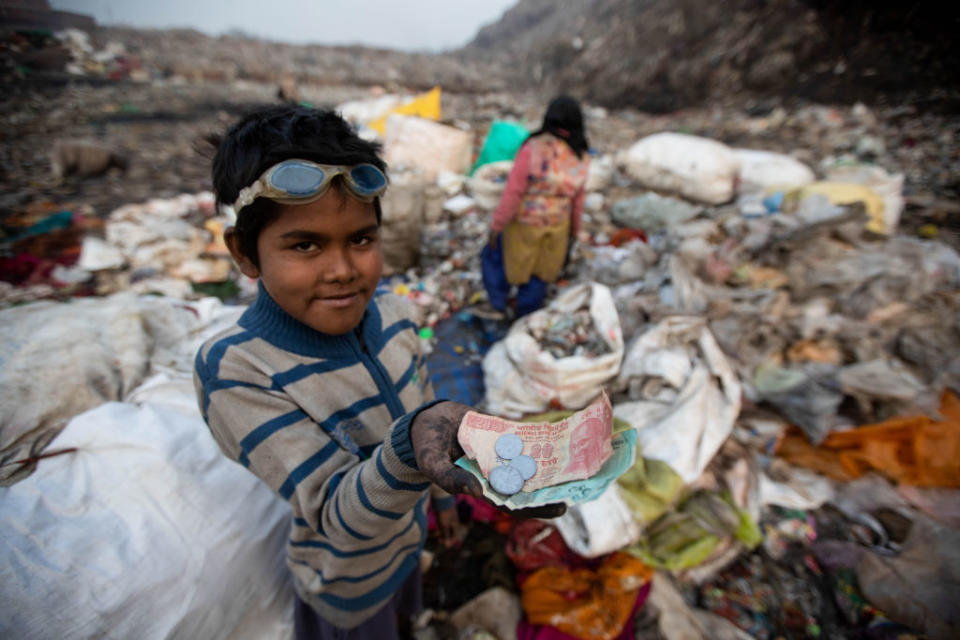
(340, 299)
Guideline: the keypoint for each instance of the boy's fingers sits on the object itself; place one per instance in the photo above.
(456, 480)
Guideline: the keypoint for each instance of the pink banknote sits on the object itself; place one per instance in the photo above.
(572, 449)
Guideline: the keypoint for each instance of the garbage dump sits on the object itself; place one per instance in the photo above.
(774, 327)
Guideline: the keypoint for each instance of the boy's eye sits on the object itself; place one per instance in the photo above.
(306, 245)
(364, 239)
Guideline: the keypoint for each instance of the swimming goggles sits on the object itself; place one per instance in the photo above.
(302, 182)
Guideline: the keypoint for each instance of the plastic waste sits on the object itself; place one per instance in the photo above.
(917, 450)
(650, 488)
(496, 610)
(807, 395)
(919, 586)
(502, 143)
(584, 603)
(843, 193)
(688, 536)
(889, 186)
(684, 395)
(652, 212)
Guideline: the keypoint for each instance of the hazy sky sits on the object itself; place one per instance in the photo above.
(429, 25)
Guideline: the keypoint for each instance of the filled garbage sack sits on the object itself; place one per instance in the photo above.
(762, 170)
(696, 168)
(559, 356)
(60, 359)
(145, 530)
(488, 182)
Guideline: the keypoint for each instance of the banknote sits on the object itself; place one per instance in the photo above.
(570, 449)
(624, 447)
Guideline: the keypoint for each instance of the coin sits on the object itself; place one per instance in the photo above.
(526, 465)
(506, 480)
(508, 446)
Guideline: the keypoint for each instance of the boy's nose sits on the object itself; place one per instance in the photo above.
(339, 267)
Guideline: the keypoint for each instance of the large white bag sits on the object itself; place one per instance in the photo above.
(697, 168)
(425, 145)
(688, 395)
(146, 531)
(521, 377)
(761, 170)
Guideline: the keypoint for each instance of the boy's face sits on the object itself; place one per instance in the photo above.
(320, 262)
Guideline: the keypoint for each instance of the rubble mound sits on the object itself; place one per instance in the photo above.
(662, 55)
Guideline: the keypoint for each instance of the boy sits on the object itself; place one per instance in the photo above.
(320, 389)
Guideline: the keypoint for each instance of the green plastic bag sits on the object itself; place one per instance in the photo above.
(502, 143)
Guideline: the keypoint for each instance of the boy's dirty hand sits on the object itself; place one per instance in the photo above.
(433, 435)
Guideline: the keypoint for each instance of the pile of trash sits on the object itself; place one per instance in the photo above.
(786, 355)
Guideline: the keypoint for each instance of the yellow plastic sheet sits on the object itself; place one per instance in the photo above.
(426, 105)
(841, 193)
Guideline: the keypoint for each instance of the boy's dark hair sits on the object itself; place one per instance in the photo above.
(262, 139)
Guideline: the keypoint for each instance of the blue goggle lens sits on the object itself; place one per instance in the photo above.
(298, 179)
(367, 178)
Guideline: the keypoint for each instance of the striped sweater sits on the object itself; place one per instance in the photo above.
(324, 421)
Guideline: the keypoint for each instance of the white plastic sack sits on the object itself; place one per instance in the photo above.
(687, 395)
(147, 531)
(488, 182)
(403, 211)
(522, 378)
(426, 145)
(761, 170)
(60, 359)
(696, 168)
(599, 174)
(600, 526)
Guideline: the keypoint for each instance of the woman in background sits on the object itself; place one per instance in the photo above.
(541, 207)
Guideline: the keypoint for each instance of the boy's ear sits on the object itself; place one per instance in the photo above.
(246, 265)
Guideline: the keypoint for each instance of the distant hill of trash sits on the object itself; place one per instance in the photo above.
(661, 55)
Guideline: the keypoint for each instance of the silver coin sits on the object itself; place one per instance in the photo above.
(526, 465)
(508, 446)
(506, 480)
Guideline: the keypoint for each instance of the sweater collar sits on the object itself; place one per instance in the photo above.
(265, 319)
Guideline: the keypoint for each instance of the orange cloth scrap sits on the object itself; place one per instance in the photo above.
(585, 603)
(916, 450)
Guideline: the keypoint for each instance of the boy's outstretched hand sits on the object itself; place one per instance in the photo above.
(433, 435)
